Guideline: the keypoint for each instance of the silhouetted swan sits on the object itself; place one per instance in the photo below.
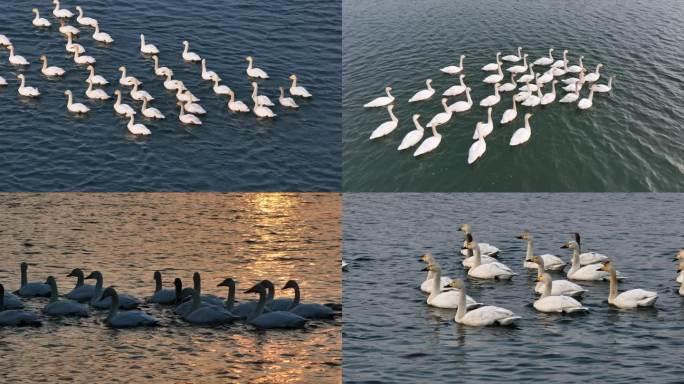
(15, 317)
(206, 314)
(34, 289)
(124, 319)
(276, 319)
(272, 303)
(101, 301)
(82, 291)
(306, 310)
(161, 295)
(57, 307)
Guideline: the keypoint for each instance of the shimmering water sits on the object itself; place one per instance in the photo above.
(43, 147)
(128, 236)
(630, 140)
(391, 335)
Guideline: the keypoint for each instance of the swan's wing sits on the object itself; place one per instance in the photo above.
(636, 295)
(487, 315)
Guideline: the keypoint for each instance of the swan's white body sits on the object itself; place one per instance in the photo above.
(508, 87)
(221, 90)
(140, 95)
(187, 118)
(381, 101)
(484, 128)
(478, 148)
(491, 100)
(550, 262)
(296, 90)
(50, 71)
(423, 94)
(453, 69)
(570, 97)
(587, 102)
(173, 85)
(96, 94)
(456, 90)
(493, 66)
(190, 56)
(253, 72)
(546, 60)
(40, 21)
(576, 68)
(494, 270)
(545, 78)
(550, 303)
(533, 100)
(603, 88)
(459, 106)
(427, 285)
(562, 62)
(495, 78)
(519, 68)
(148, 49)
(61, 13)
(208, 75)
(95, 79)
(236, 106)
(75, 107)
(125, 80)
(83, 60)
(287, 102)
(444, 298)
(591, 272)
(442, 117)
(482, 316)
(195, 108)
(526, 78)
(594, 76)
(160, 71)
(151, 113)
(260, 99)
(101, 36)
(412, 138)
(263, 111)
(522, 135)
(429, 144)
(85, 21)
(510, 114)
(386, 127)
(633, 298)
(3, 82)
(513, 58)
(72, 47)
(16, 59)
(137, 129)
(122, 109)
(27, 91)
(469, 262)
(65, 29)
(550, 97)
(559, 287)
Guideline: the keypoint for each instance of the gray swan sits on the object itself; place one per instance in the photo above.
(309, 311)
(275, 319)
(31, 289)
(162, 296)
(184, 307)
(124, 319)
(15, 317)
(100, 301)
(207, 314)
(82, 291)
(57, 307)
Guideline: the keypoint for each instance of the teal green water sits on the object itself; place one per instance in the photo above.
(630, 140)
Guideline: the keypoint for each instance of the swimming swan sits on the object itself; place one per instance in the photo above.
(431, 142)
(50, 71)
(82, 291)
(545, 60)
(57, 307)
(412, 138)
(272, 303)
(308, 310)
(495, 78)
(190, 56)
(448, 299)
(594, 76)
(160, 71)
(577, 68)
(493, 66)
(386, 127)
(122, 109)
(519, 68)
(40, 21)
(453, 69)
(16, 59)
(286, 101)
(526, 78)
(140, 95)
(83, 60)
(570, 97)
(603, 88)
(423, 94)
(522, 135)
(276, 319)
(15, 317)
(61, 13)
(127, 81)
(260, 99)
(533, 100)
(507, 87)
(34, 289)
(5, 41)
(208, 75)
(124, 319)
(236, 106)
(187, 118)
(510, 114)
(161, 295)
(491, 100)
(561, 63)
(296, 90)
(262, 111)
(151, 112)
(207, 314)
(101, 301)
(586, 103)
(255, 72)
(381, 101)
(629, 299)
(95, 79)
(221, 89)
(184, 306)
(72, 47)
(478, 148)
(101, 36)
(494, 270)
(456, 90)
(588, 257)
(549, 98)
(551, 262)
(549, 303)
(591, 272)
(560, 287)
(485, 248)
(96, 94)
(427, 285)
(460, 106)
(74, 107)
(66, 29)
(484, 128)
(85, 21)
(173, 85)
(151, 49)
(442, 117)
(482, 316)
(513, 58)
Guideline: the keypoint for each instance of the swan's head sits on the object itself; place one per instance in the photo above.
(249, 58)
(34, 10)
(67, 93)
(293, 77)
(569, 245)
(536, 259)
(122, 68)
(227, 283)
(565, 51)
(468, 89)
(545, 277)
(20, 76)
(432, 267)
(90, 68)
(76, 272)
(428, 81)
(254, 85)
(267, 284)
(117, 92)
(606, 266)
(464, 228)
(426, 257)
(528, 115)
(525, 55)
(390, 107)
(78, 8)
(157, 276)
(550, 49)
(498, 53)
(525, 235)
(457, 283)
(43, 58)
(257, 288)
(469, 243)
(50, 281)
(555, 82)
(97, 275)
(463, 56)
(680, 255)
(185, 42)
(497, 85)
(415, 117)
(462, 77)
(55, 1)
(109, 292)
(387, 89)
(291, 284)
(23, 265)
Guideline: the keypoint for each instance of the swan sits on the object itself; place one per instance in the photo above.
(549, 303)
(195, 108)
(160, 71)
(34, 289)
(381, 101)
(3, 82)
(230, 300)
(83, 60)
(261, 99)
(545, 60)
(576, 68)
(4, 40)
(187, 118)
(573, 80)
(461, 106)
(386, 127)
(494, 270)
(57, 307)
(140, 95)
(493, 79)
(570, 97)
(127, 81)
(307, 311)
(550, 97)
(82, 291)
(236, 106)
(296, 90)
(591, 272)
(679, 256)
(287, 101)
(14, 317)
(484, 128)
(208, 75)
(485, 248)
(681, 277)
(275, 319)
(161, 295)
(262, 111)
(61, 13)
(184, 306)
(273, 304)
(137, 129)
(586, 102)
(533, 100)
(510, 114)
(522, 96)
(85, 21)
(588, 257)
(513, 58)
(96, 94)
(221, 89)
(491, 100)
(190, 56)
(478, 148)
(594, 76)
(50, 71)
(456, 90)
(27, 91)
(124, 319)
(629, 299)
(40, 21)
(561, 63)
(151, 113)
(442, 117)
(448, 298)
(66, 29)
(430, 143)
(173, 85)
(522, 135)
(507, 87)
(74, 107)
(72, 47)
(151, 49)
(207, 314)
(427, 285)
(16, 59)
(11, 301)
(526, 78)
(101, 36)
(344, 265)
(482, 316)
(545, 78)
(519, 68)
(550, 262)
(493, 66)
(560, 287)
(574, 86)
(423, 94)
(530, 87)
(452, 69)
(257, 73)
(101, 301)
(122, 109)
(560, 71)
(242, 310)
(412, 138)
(603, 88)
(95, 79)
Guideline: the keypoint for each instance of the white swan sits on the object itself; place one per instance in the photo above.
(95, 79)
(412, 138)
(189, 56)
(83, 60)
(594, 76)
(522, 96)
(449, 298)
(460, 106)
(40, 21)
(680, 279)
(456, 90)
(493, 66)
(588, 257)
(260, 99)
(587, 102)
(262, 111)
(549, 303)
(560, 287)
(4, 40)
(427, 285)
(550, 97)
(101, 36)
(484, 128)
(50, 71)
(3, 82)
(184, 96)
(125, 319)
(513, 58)
(160, 71)
(510, 114)
(486, 249)
(195, 108)
(173, 85)
(151, 49)
(127, 81)
(82, 291)
(122, 109)
(495, 78)
(526, 78)
(551, 262)
(61, 13)
(482, 316)
(442, 117)
(387, 127)
(208, 75)
(429, 144)
(15, 317)
(494, 270)
(273, 319)
(570, 97)
(151, 113)
(16, 59)
(507, 87)
(137, 129)
(562, 62)
(522, 135)
(253, 72)
(34, 289)
(453, 69)
(545, 60)
(140, 95)
(221, 89)
(533, 100)
(57, 307)
(576, 68)
(560, 71)
(530, 87)
(381, 101)
(96, 94)
(85, 21)
(296, 90)
(27, 91)
(519, 68)
(603, 88)
(591, 272)
(66, 29)
(478, 148)
(75, 107)
(423, 94)
(633, 298)
(545, 78)
(236, 106)
(491, 100)
(187, 118)
(72, 47)
(286, 101)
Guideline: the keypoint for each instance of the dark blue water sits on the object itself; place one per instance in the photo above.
(44, 148)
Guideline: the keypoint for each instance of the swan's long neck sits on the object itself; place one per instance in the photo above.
(45, 64)
(230, 300)
(461, 304)
(610, 82)
(232, 98)
(446, 107)
(460, 63)
(514, 107)
(580, 62)
(591, 94)
(92, 72)
(123, 73)
(197, 283)
(436, 282)
(478, 256)
(37, 16)
(157, 283)
(259, 307)
(540, 268)
(69, 100)
(434, 131)
(470, 101)
(496, 91)
(144, 106)
(524, 61)
(271, 294)
(387, 91)
(249, 66)
(54, 293)
(489, 116)
(142, 40)
(428, 86)
(23, 82)
(90, 87)
(294, 82)
(613, 286)
(254, 92)
(2, 299)
(79, 280)
(394, 118)
(80, 12)
(69, 40)
(575, 261)
(529, 255)
(553, 88)
(118, 99)
(98, 289)
(114, 308)
(204, 66)
(462, 83)
(297, 297)
(97, 29)
(156, 63)
(681, 276)
(417, 124)
(527, 123)
(548, 285)
(550, 55)
(196, 301)
(24, 277)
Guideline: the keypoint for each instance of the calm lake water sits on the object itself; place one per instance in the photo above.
(630, 140)
(391, 335)
(43, 147)
(127, 237)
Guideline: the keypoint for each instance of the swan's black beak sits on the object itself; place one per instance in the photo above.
(519, 237)
(459, 229)
(425, 269)
(564, 246)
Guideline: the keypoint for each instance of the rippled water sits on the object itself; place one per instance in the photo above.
(630, 140)
(391, 335)
(44, 147)
(127, 236)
